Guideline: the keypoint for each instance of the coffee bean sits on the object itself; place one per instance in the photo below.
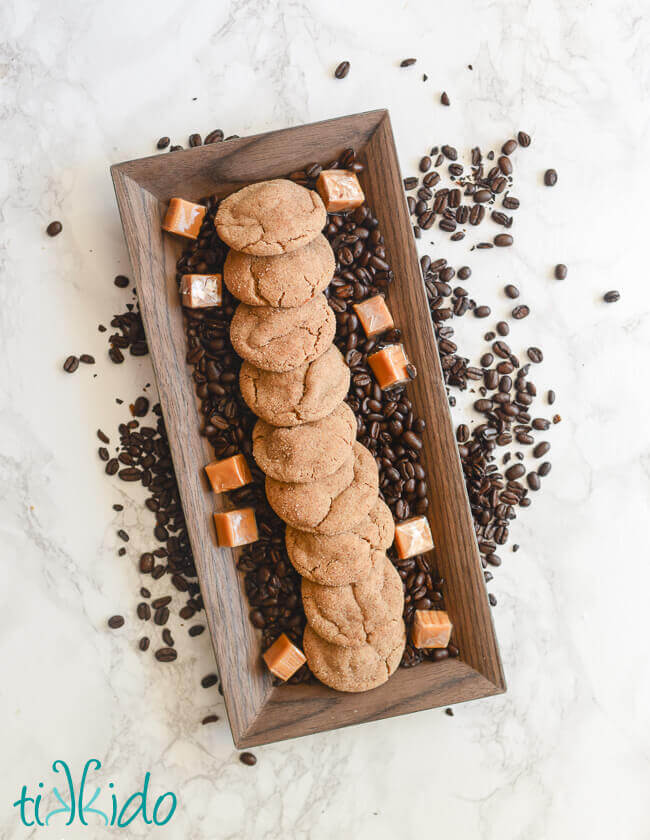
(407, 62)
(444, 99)
(612, 297)
(209, 680)
(121, 281)
(503, 240)
(215, 136)
(425, 164)
(541, 449)
(503, 328)
(560, 271)
(248, 758)
(209, 719)
(550, 397)
(195, 140)
(196, 630)
(511, 291)
(71, 364)
(482, 311)
(521, 311)
(410, 183)
(532, 479)
(54, 228)
(544, 469)
(515, 471)
(509, 146)
(342, 70)
(144, 611)
(524, 139)
(550, 177)
(535, 354)
(166, 654)
(163, 143)
(505, 165)
(141, 407)
(116, 621)
(481, 196)
(143, 644)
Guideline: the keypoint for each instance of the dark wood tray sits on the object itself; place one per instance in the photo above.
(258, 711)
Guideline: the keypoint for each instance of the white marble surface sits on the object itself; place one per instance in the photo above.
(566, 752)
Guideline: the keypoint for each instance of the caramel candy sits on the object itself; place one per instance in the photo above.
(198, 290)
(236, 527)
(390, 365)
(283, 658)
(340, 190)
(374, 315)
(183, 218)
(228, 474)
(431, 629)
(413, 536)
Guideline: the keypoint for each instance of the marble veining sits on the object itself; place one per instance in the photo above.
(566, 752)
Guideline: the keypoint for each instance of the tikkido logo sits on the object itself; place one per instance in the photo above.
(77, 806)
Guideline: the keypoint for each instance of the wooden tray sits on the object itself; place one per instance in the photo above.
(259, 712)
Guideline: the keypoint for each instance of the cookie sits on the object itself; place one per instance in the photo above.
(271, 217)
(350, 615)
(282, 339)
(333, 504)
(354, 668)
(284, 281)
(303, 395)
(308, 452)
(341, 558)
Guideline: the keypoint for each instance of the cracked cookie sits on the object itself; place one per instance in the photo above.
(282, 339)
(367, 611)
(354, 668)
(303, 395)
(283, 281)
(308, 452)
(341, 558)
(333, 504)
(270, 217)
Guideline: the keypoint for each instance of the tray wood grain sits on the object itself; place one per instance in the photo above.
(259, 712)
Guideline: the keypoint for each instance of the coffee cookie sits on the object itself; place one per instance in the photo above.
(282, 339)
(308, 452)
(303, 395)
(271, 217)
(367, 611)
(341, 558)
(284, 281)
(354, 668)
(333, 504)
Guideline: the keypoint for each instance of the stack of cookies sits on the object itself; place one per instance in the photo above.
(319, 479)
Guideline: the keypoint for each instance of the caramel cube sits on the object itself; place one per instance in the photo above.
(413, 536)
(390, 365)
(228, 474)
(183, 218)
(340, 190)
(374, 316)
(236, 527)
(283, 658)
(198, 290)
(431, 629)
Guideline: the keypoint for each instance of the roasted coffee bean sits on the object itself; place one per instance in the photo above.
(167, 637)
(248, 758)
(561, 271)
(141, 407)
(444, 99)
(515, 471)
(54, 228)
(342, 70)
(166, 654)
(503, 240)
(210, 719)
(196, 629)
(535, 354)
(163, 143)
(521, 311)
(121, 281)
(550, 397)
(425, 164)
(532, 479)
(524, 139)
(195, 140)
(410, 183)
(481, 196)
(503, 328)
(482, 311)
(143, 644)
(215, 136)
(611, 297)
(144, 611)
(407, 62)
(509, 146)
(550, 177)
(510, 203)
(505, 165)
(71, 364)
(209, 680)
(116, 621)
(544, 469)
(511, 291)
(541, 449)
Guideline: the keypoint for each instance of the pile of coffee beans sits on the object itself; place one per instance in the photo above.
(456, 195)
